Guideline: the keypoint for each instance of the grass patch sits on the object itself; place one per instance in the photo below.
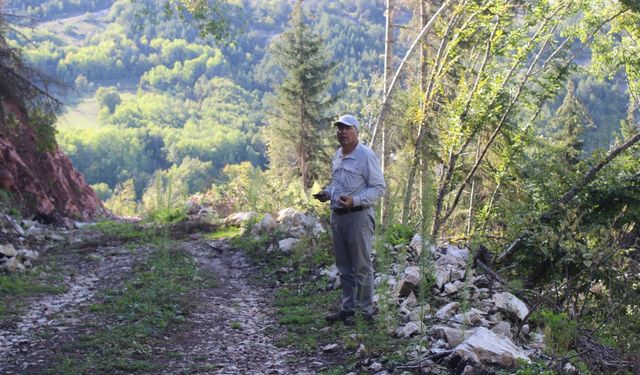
(24, 285)
(127, 231)
(227, 232)
(138, 314)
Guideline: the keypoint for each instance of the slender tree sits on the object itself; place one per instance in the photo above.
(298, 120)
(569, 123)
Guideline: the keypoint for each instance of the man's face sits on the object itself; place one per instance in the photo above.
(347, 135)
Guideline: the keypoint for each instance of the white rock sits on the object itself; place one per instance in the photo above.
(473, 316)
(457, 274)
(11, 265)
(452, 336)
(412, 274)
(450, 288)
(457, 252)
(376, 366)
(239, 218)
(502, 329)
(267, 224)
(8, 250)
(416, 244)
(410, 329)
(286, 244)
(448, 310)
(410, 301)
(510, 303)
(491, 349)
(330, 348)
(26, 254)
(443, 276)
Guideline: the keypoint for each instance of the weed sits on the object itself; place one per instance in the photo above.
(235, 325)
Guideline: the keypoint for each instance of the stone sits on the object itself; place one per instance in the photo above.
(287, 244)
(376, 366)
(452, 336)
(410, 329)
(450, 288)
(8, 250)
(410, 301)
(502, 329)
(457, 274)
(415, 246)
(330, 348)
(447, 311)
(267, 224)
(239, 218)
(490, 348)
(473, 316)
(26, 254)
(462, 254)
(13, 224)
(12, 265)
(443, 276)
(412, 274)
(510, 303)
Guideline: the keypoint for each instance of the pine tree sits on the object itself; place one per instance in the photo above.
(298, 121)
(569, 123)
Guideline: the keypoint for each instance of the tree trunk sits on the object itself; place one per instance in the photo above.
(386, 103)
(388, 69)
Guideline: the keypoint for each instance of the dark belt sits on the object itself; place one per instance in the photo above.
(342, 211)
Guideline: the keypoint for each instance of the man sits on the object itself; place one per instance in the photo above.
(356, 183)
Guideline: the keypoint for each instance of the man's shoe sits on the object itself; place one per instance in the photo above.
(339, 316)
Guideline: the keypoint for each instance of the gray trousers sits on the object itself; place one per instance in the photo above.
(352, 240)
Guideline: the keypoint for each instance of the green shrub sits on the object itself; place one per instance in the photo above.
(560, 332)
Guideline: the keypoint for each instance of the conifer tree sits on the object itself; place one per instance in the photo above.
(298, 123)
(569, 123)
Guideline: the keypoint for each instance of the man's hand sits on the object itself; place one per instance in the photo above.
(346, 201)
(322, 196)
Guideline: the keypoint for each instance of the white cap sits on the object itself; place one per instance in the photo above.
(347, 120)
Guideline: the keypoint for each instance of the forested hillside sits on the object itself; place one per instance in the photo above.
(148, 93)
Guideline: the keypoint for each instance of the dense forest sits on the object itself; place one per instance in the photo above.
(509, 126)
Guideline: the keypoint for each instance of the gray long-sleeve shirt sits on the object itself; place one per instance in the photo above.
(357, 175)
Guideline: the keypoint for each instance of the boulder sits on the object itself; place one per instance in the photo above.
(452, 336)
(239, 218)
(473, 316)
(7, 251)
(286, 244)
(447, 311)
(11, 265)
(502, 329)
(410, 329)
(297, 223)
(490, 348)
(410, 279)
(511, 304)
(266, 225)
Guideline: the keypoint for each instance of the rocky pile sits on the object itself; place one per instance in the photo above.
(16, 239)
(476, 325)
